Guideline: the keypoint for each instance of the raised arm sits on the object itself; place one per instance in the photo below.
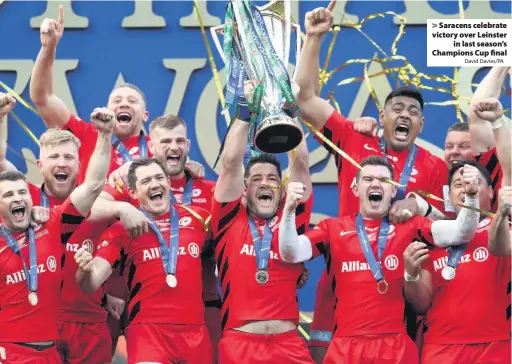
(500, 236)
(313, 109)
(481, 132)
(298, 164)
(52, 109)
(418, 282)
(92, 272)
(462, 229)
(84, 196)
(292, 247)
(7, 103)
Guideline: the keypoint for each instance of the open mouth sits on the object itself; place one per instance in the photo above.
(61, 177)
(375, 198)
(124, 117)
(402, 131)
(156, 196)
(173, 159)
(18, 212)
(265, 198)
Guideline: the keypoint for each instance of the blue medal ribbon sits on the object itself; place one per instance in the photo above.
(31, 273)
(456, 253)
(44, 201)
(261, 246)
(186, 198)
(169, 254)
(119, 146)
(375, 265)
(406, 173)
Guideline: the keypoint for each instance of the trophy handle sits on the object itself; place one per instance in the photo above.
(215, 35)
(298, 45)
(287, 27)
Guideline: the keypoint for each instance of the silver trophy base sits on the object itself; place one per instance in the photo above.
(277, 134)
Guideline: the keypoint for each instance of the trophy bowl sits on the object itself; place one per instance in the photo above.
(277, 134)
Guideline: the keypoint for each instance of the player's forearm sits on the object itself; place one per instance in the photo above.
(84, 196)
(292, 247)
(500, 237)
(490, 86)
(106, 210)
(419, 295)
(41, 82)
(460, 230)
(307, 76)
(234, 148)
(91, 281)
(503, 137)
(426, 209)
(5, 165)
(298, 167)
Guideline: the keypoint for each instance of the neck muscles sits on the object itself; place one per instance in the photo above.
(178, 176)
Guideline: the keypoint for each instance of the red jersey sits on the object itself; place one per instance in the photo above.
(244, 299)
(367, 312)
(202, 194)
(19, 320)
(490, 161)
(470, 308)
(151, 299)
(87, 134)
(75, 305)
(429, 172)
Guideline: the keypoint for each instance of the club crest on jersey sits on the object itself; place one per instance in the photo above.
(196, 192)
(103, 244)
(273, 221)
(185, 221)
(193, 250)
(483, 225)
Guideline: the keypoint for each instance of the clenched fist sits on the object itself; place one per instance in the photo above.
(294, 195)
(470, 178)
(488, 109)
(51, 30)
(414, 256)
(84, 260)
(104, 119)
(366, 125)
(504, 200)
(319, 21)
(7, 103)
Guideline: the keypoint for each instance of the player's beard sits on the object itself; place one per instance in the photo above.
(61, 191)
(263, 213)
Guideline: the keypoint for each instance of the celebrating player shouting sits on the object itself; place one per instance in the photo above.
(365, 252)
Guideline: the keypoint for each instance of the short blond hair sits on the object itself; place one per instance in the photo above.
(55, 136)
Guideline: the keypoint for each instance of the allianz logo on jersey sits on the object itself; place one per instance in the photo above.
(153, 253)
(19, 276)
(371, 232)
(249, 250)
(391, 262)
(86, 244)
(479, 255)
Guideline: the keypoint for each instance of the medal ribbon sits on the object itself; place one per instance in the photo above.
(186, 198)
(31, 273)
(44, 201)
(367, 249)
(169, 254)
(119, 146)
(261, 247)
(456, 253)
(406, 172)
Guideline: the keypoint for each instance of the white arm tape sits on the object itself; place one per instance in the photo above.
(423, 206)
(461, 230)
(292, 247)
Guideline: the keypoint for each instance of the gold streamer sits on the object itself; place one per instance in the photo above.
(306, 318)
(216, 77)
(19, 98)
(290, 167)
(25, 128)
(435, 198)
(370, 87)
(323, 73)
(303, 332)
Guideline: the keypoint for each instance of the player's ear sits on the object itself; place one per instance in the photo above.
(132, 193)
(355, 190)
(395, 190)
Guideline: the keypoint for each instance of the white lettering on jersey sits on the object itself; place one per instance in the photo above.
(249, 250)
(152, 253)
(391, 262)
(479, 255)
(354, 266)
(193, 250)
(71, 247)
(19, 276)
(199, 200)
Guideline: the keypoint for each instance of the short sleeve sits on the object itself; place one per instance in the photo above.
(319, 237)
(337, 130)
(81, 129)
(422, 229)
(223, 215)
(110, 244)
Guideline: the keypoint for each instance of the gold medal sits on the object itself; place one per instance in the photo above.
(171, 280)
(261, 276)
(382, 286)
(448, 273)
(32, 298)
